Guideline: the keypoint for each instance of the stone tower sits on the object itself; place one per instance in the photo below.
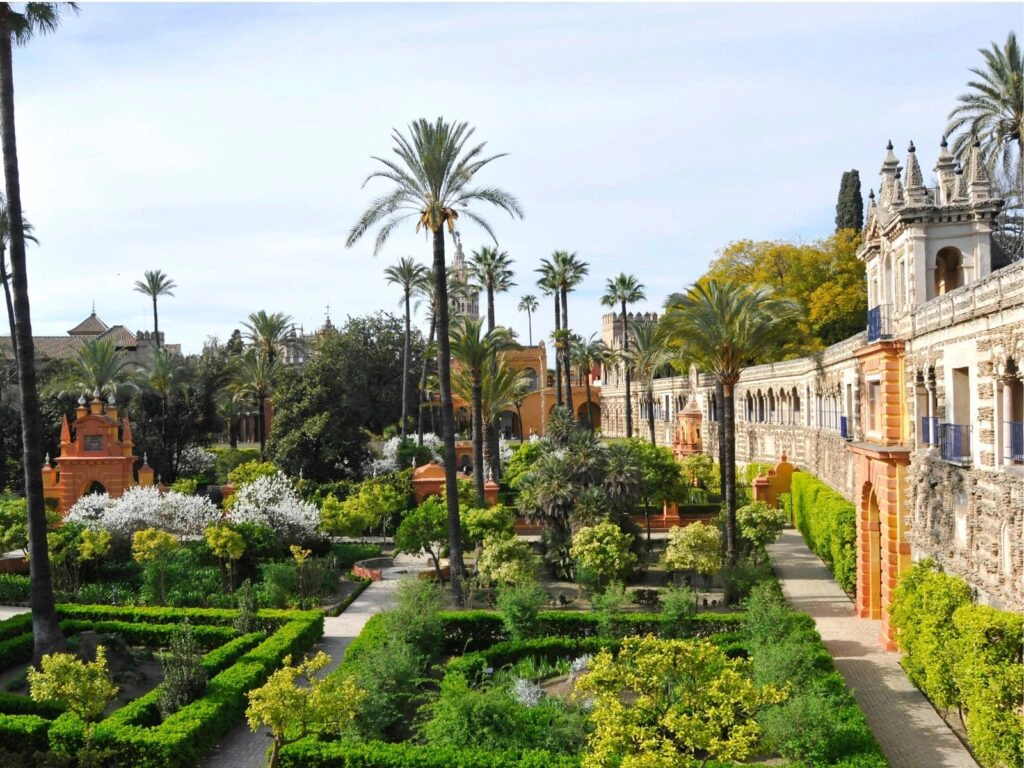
(468, 304)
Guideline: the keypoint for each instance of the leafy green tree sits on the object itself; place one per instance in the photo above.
(369, 506)
(720, 326)
(507, 560)
(155, 284)
(850, 206)
(528, 304)
(269, 334)
(523, 458)
(19, 26)
(84, 688)
(255, 377)
(661, 477)
(407, 274)
(153, 548)
(97, 366)
(519, 605)
(585, 355)
(647, 357)
(482, 523)
(433, 185)
(604, 551)
(695, 547)
(686, 701)
(623, 291)
(295, 703)
(476, 350)
(227, 544)
(424, 529)
(761, 524)
(184, 675)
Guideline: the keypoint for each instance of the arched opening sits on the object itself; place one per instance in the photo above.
(1013, 414)
(796, 406)
(589, 415)
(465, 463)
(870, 562)
(949, 270)
(508, 425)
(530, 376)
(771, 406)
(95, 487)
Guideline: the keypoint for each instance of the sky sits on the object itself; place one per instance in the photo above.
(227, 144)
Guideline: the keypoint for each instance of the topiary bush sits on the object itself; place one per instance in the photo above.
(828, 523)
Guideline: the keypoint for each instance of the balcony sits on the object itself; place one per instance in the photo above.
(1016, 431)
(929, 430)
(955, 443)
(844, 428)
(879, 323)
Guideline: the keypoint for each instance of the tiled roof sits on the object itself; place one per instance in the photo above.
(91, 326)
(47, 347)
(123, 338)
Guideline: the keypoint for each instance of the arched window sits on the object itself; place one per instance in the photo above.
(949, 270)
(531, 378)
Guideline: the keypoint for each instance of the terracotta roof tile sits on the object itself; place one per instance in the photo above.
(91, 326)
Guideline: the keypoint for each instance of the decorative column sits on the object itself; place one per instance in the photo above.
(1007, 416)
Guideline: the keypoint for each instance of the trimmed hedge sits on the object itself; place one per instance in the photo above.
(310, 753)
(828, 523)
(222, 617)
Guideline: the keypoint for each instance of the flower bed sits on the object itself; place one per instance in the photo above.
(134, 734)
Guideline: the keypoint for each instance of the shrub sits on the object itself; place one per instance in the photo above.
(14, 588)
(921, 612)
(416, 616)
(184, 674)
(813, 727)
(271, 502)
(609, 606)
(346, 554)
(678, 607)
(249, 472)
(279, 584)
(491, 522)
(761, 524)
(605, 551)
(519, 606)
(226, 459)
(142, 507)
(695, 547)
(187, 486)
(246, 621)
(507, 560)
(389, 672)
(368, 506)
(741, 577)
(153, 548)
(828, 523)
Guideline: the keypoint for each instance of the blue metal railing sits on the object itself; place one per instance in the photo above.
(878, 323)
(844, 428)
(929, 430)
(955, 443)
(1016, 429)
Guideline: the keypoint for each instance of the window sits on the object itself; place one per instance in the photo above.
(874, 403)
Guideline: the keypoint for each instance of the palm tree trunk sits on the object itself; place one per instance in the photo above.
(444, 376)
(558, 359)
(519, 418)
(565, 353)
(423, 379)
(10, 305)
(45, 628)
(261, 426)
(720, 397)
(156, 325)
(625, 350)
(729, 412)
(478, 439)
(490, 309)
(590, 413)
(405, 366)
(650, 414)
(492, 454)
(529, 326)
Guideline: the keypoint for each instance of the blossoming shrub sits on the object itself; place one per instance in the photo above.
(144, 507)
(271, 502)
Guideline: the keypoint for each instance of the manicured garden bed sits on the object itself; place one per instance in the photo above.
(134, 735)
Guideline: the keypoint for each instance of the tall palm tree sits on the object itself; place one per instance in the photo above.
(622, 291)
(155, 284)
(476, 350)
(5, 241)
(993, 110)
(19, 26)
(425, 291)
(571, 270)
(406, 274)
(548, 283)
(528, 304)
(491, 270)
(433, 180)
(97, 367)
(270, 333)
(254, 377)
(648, 355)
(163, 376)
(229, 408)
(501, 388)
(721, 327)
(587, 353)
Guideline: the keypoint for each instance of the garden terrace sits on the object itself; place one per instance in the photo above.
(134, 735)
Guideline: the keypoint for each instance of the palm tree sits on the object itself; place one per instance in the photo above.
(406, 274)
(571, 271)
(155, 284)
(475, 350)
(425, 291)
(548, 283)
(163, 377)
(993, 110)
(5, 241)
(585, 355)
(270, 333)
(20, 26)
(528, 304)
(491, 271)
(433, 180)
(721, 327)
(501, 388)
(621, 291)
(648, 355)
(98, 367)
(229, 408)
(255, 375)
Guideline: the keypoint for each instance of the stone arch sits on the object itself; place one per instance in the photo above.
(92, 486)
(509, 426)
(871, 561)
(532, 381)
(949, 270)
(585, 418)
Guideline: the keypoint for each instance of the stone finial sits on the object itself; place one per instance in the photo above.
(945, 169)
(916, 192)
(81, 400)
(96, 394)
(978, 184)
(111, 400)
(960, 186)
(145, 459)
(943, 144)
(46, 460)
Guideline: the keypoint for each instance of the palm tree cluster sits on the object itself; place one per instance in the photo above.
(559, 276)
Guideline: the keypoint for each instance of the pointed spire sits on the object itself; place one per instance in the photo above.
(145, 459)
(46, 460)
(126, 431)
(945, 169)
(65, 431)
(916, 192)
(960, 186)
(979, 182)
(897, 190)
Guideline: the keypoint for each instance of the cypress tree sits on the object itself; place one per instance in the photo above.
(850, 206)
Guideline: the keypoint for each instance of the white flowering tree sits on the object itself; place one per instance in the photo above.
(144, 507)
(272, 502)
(388, 459)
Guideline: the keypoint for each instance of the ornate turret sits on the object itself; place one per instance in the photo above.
(978, 186)
(945, 168)
(916, 192)
(959, 185)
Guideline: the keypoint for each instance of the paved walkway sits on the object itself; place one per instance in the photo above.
(909, 730)
(244, 749)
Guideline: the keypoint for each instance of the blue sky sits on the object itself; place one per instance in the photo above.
(227, 144)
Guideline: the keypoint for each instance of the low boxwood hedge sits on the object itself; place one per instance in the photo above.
(310, 753)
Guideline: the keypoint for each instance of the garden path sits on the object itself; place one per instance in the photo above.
(909, 730)
(244, 749)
